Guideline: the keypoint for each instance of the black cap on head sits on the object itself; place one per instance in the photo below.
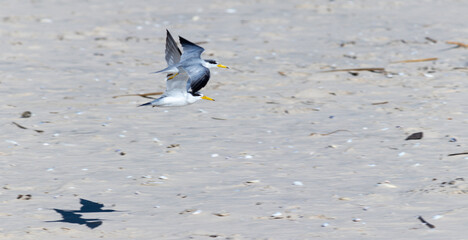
(211, 61)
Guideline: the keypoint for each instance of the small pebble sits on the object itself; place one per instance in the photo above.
(12, 142)
(163, 177)
(452, 140)
(298, 183)
(401, 154)
(276, 214)
(415, 136)
(197, 212)
(428, 75)
(214, 155)
(435, 217)
(248, 156)
(231, 10)
(221, 214)
(356, 219)
(46, 20)
(253, 181)
(386, 184)
(26, 114)
(325, 225)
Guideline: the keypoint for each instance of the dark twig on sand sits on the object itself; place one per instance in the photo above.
(459, 44)
(145, 95)
(456, 154)
(380, 103)
(23, 127)
(426, 223)
(376, 70)
(416, 60)
(330, 133)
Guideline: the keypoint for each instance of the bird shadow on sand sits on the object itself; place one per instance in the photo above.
(87, 206)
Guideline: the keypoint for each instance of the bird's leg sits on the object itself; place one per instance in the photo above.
(171, 76)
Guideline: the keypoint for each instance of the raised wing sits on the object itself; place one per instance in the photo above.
(172, 51)
(177, 84)
(191, 50)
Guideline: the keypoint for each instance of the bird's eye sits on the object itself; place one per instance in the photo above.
(212, 61)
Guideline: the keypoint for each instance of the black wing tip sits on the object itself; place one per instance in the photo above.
(183, 40)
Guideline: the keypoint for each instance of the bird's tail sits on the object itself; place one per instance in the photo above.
(145, 104)
(170, 69)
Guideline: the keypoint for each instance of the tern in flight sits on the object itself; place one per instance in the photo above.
(177, 91)
(190, 60)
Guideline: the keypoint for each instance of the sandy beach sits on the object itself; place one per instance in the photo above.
(306, 138)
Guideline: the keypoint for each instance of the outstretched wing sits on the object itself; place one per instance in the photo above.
(199, 77)
(90, 206)
(177, 84)
(172, 51)
(191, 50)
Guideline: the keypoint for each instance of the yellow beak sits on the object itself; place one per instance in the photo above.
(221, 66)
(207, 98)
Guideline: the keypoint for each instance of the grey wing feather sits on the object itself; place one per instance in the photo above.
(199, 77)
(191, 50)
(172, 51)
(178, 84)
